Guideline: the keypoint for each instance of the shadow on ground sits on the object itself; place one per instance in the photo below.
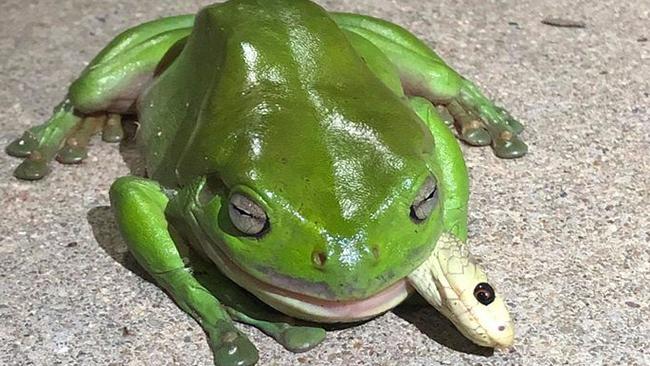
(108, 237)
(430, 322)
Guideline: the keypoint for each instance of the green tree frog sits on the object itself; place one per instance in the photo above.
(301, 156)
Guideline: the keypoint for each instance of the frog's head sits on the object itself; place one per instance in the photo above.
(324, 216)
(312, 264)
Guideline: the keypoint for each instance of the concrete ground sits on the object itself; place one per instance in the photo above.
(563, 232)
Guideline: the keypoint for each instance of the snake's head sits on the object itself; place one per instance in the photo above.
(455, 285)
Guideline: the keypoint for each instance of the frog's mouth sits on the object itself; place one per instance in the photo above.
(310, 308)
(327, 311)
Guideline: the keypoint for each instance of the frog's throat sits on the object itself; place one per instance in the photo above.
(447, 280)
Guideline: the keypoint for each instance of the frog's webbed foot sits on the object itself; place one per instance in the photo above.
(65, 136)
(75, 148)
(294, 338)
(479, 122)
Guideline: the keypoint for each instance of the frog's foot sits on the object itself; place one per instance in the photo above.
(64, 136)
(479, 122)
(293, 338)
(75, 148)
(230, 347)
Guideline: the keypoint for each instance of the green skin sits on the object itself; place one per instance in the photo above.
(327, 121)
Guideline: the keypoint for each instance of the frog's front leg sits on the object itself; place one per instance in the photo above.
(105, 90)
(423, 73)
(139, 206)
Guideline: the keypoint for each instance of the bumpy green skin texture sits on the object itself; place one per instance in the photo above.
(325, 120)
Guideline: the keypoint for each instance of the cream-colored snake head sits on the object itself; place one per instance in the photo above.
(453, 283)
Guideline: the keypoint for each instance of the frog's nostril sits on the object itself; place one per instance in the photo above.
(502, 328)
(375, 252)
(318, 258)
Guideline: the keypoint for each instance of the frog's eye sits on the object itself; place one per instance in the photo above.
(425, 201)
(247, 216)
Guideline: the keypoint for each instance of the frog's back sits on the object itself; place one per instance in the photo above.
(272, 91)
(241, 54)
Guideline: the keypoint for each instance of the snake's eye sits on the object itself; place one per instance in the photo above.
(425, 201)
(484, 293)
(247, 216)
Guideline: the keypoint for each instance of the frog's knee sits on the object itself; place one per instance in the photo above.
(87, 94)
(100, 91)
(122, 184)
(120, 189)
(433, 81)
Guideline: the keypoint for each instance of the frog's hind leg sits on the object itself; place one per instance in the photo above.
(425, 74)
(105, 90)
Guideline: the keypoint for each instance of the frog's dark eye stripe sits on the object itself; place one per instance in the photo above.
(425, 201)
(247, 216)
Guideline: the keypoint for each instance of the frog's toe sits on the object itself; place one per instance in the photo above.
(509, 146)
(32, 168)
(38, 146)
(293, 338)
(475, 135)
(231, 348)
(75, 149)
(113, 131)
(23, 146)
(514, 124)
(65, 136)
(301, 339)
(445, 115)
(496, 127)
(470, 127)
(72, 153)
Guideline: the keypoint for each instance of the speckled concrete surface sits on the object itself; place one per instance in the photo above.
(563, 232)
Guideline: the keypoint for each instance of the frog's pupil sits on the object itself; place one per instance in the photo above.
(241, 211)
(430, 196)
(484, 293)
